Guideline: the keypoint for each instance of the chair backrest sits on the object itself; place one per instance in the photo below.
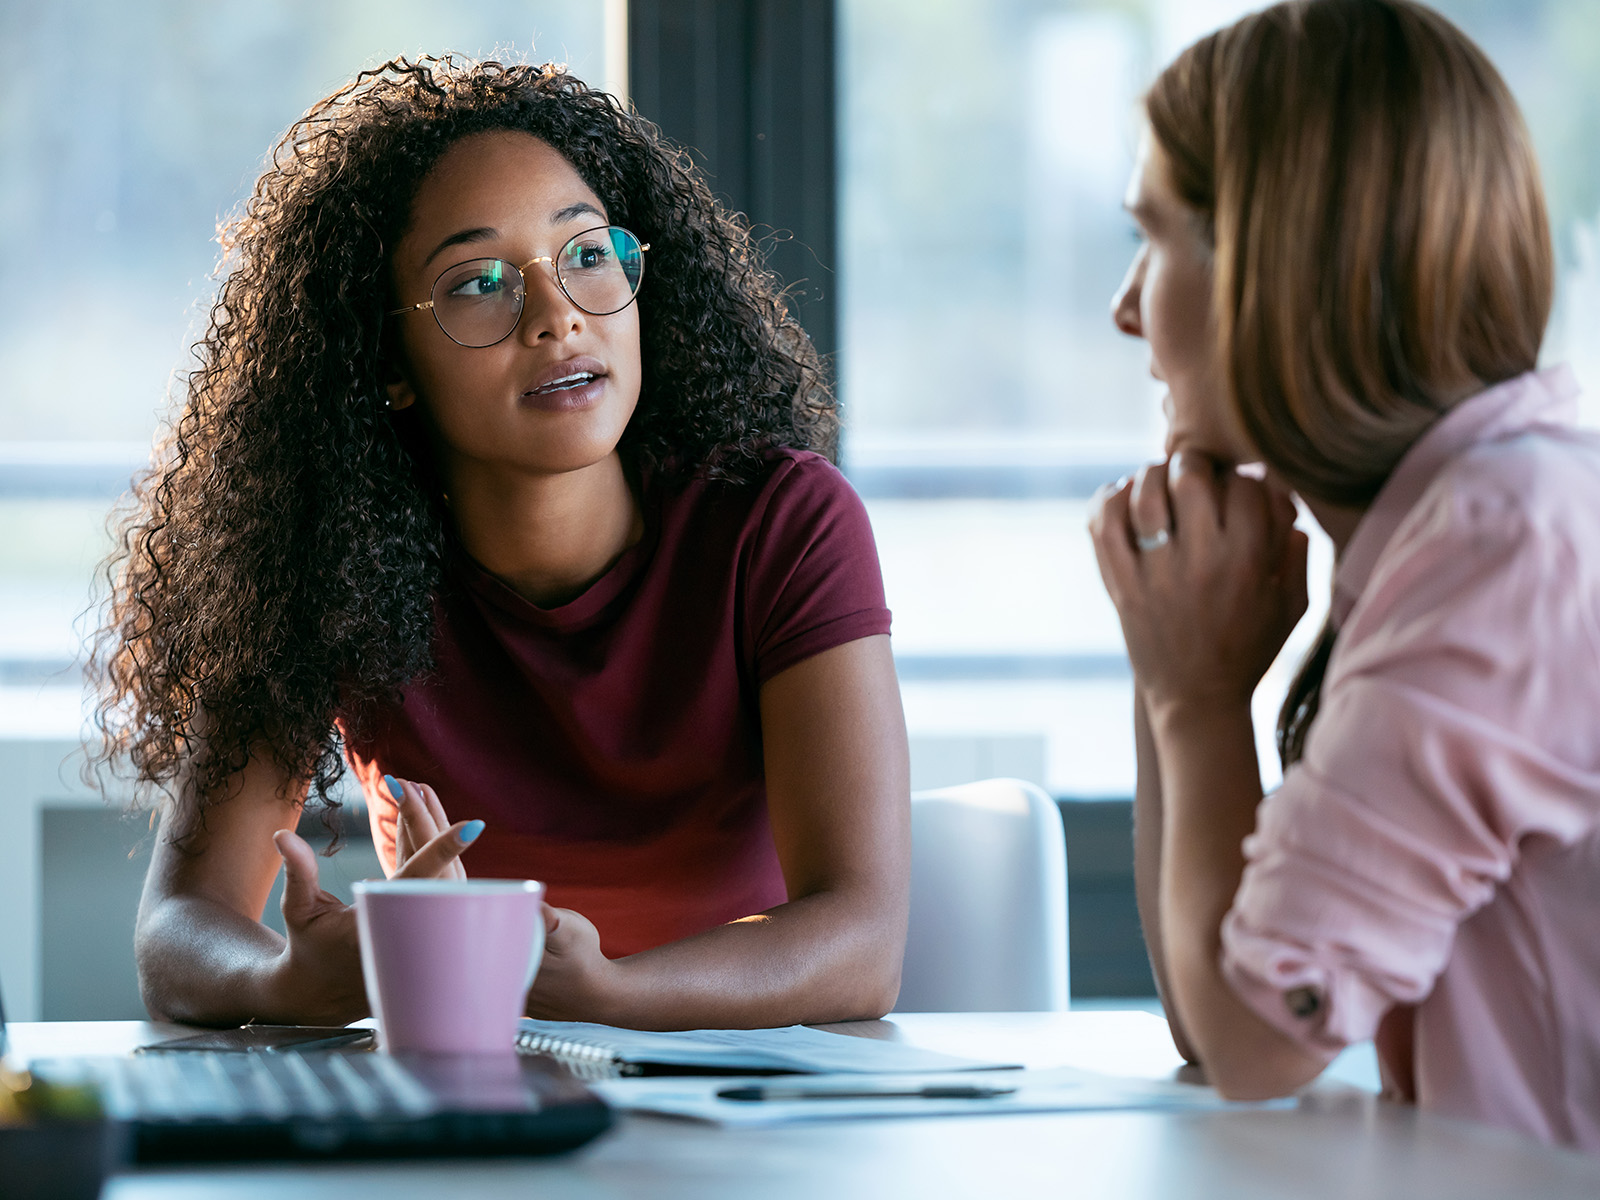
(988, 928)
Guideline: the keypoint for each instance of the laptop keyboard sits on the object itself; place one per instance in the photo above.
(266, 1086)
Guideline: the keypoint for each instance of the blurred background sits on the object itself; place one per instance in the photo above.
(938, 180)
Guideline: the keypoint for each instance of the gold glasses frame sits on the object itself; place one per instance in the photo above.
(522, 270)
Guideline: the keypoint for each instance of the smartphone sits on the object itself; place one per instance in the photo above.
(269, 1037)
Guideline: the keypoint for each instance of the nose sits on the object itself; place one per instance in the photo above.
(547, 312)
(1125, 303)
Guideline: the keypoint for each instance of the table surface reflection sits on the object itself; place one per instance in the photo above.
(1337, 1142)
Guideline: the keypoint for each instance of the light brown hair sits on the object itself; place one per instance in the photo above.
(1382, 248)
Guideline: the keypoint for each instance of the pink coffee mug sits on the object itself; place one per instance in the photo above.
(448, 962)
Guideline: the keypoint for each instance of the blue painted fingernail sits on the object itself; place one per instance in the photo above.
(470, 832)
(394, 787)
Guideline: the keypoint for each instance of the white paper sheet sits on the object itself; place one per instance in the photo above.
(1060, 1089)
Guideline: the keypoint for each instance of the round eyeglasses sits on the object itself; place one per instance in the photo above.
(479, 302)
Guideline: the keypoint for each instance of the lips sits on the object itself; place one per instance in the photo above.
(565, 376)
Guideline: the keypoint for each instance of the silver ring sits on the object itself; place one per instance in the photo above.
(1154, 541)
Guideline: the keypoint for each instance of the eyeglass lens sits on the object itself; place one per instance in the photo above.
(479, 303)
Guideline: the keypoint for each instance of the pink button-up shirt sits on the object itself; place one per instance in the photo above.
(1438, 845)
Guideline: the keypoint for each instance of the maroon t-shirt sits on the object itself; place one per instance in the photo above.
(613, 744)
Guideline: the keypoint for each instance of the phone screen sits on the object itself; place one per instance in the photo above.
(269, 1037)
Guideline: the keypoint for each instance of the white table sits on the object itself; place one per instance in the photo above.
(1338, 1142)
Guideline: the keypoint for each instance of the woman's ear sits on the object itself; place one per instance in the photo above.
(396, 380)
(400, 393)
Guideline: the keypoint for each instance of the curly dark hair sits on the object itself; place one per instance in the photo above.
(277, 570)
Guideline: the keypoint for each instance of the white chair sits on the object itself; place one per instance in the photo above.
(988, 926)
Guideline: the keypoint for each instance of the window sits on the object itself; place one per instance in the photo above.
(984, 149)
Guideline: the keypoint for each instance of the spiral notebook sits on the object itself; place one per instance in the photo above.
(607, 1052)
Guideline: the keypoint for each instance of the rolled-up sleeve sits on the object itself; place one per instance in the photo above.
(1448, 722)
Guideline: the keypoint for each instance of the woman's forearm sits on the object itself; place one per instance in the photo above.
(1212, 786)
(202, 963)
(833, 744)
(830, 956)
(1147, 834)
(203, 954)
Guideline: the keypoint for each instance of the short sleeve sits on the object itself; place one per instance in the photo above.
(812, 579)
(1452, 726)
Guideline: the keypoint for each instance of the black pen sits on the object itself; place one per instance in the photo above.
(953, 1092)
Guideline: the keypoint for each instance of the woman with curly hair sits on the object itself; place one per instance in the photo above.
(503, 478)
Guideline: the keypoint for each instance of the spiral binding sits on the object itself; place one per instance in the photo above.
(586, 1060)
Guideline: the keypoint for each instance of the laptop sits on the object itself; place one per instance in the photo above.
(294, 1101)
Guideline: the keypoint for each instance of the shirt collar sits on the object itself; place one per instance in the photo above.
(1548, 397)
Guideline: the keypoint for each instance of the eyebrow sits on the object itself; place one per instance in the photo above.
(483, 232)
(575, 210)
(480, 234)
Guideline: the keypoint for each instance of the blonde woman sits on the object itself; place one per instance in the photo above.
(1345, 277)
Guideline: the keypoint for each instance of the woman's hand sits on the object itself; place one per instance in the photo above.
(426, 844)
(1207, 573)
(319, 970)
(318, 974)
(575, 981)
